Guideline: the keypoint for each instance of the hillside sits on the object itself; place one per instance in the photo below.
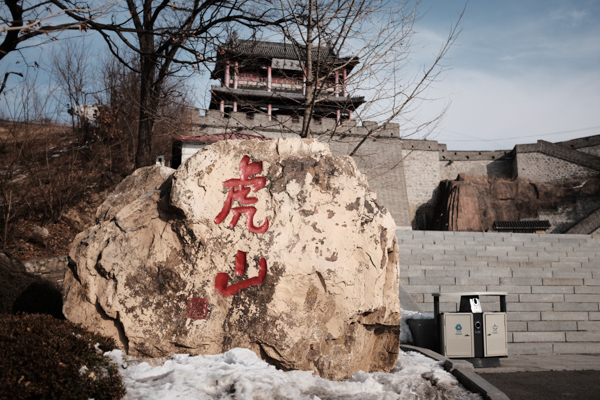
(52, 179)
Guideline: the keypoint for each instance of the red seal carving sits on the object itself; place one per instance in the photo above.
(197, 308)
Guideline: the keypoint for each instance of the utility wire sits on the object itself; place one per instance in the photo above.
(516, 137)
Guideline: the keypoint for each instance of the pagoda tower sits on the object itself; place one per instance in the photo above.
(269, 77)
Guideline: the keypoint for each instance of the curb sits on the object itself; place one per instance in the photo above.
(464, 373)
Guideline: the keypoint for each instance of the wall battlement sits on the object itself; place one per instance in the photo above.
(278, 126)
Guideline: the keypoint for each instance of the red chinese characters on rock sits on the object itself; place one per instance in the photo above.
(239, 190)
(240, 268)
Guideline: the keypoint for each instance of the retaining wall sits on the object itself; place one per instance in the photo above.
(553, 282)
(52, 269)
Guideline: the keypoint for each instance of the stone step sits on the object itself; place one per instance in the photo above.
(552, 281)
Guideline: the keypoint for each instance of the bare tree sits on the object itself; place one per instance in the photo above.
(23, 20)
(169, 39)
(373, 40)
(72, 70)
(119, 100)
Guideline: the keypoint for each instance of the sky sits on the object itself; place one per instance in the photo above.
(520, 71)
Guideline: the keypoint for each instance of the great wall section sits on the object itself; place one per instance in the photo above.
(553, 279)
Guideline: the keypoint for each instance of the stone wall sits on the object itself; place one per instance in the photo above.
(284, 125)
(380, 159)
(594, 150)
(588, 225)
(553, 282)
(564, 217)
(540, 167)
(422, 177)
(493, 168)
(52, 269)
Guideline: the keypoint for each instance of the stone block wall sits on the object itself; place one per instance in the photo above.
(493, 168)
(565, 217)
(422, 177)
(380, 160)
(284, 126)
(51, 269)
(553, 282)
(540, 167)
(593, 150)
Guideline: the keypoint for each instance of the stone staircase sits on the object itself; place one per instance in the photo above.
(553, 282)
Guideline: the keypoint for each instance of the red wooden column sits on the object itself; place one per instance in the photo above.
(337, 86)
(227, 75)
(269, 78)
(269, 111)
(304, 83)
(344, 84)
(235, 75)
(235, 83)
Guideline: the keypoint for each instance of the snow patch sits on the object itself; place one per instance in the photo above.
(240, 374)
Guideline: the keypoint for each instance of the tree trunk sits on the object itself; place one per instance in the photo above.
(310, 84)
(148, 93)
(143, 156)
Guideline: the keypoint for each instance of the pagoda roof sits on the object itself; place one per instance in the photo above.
(288, 51)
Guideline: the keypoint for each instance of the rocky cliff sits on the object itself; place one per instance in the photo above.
(474, 203)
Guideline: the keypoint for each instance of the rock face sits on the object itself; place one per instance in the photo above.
(474, 203)
(318, 290)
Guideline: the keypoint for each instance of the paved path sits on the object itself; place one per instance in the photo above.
(538, 363)
(547, 385)
(550, 377)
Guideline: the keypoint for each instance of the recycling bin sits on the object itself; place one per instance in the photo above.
(471, 334)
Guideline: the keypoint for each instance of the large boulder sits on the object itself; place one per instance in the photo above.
(316, 259)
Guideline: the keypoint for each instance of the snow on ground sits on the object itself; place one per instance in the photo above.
(405, 334)
(240, 374)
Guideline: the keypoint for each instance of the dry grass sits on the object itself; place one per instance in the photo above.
(47, 171)
(21, 129)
